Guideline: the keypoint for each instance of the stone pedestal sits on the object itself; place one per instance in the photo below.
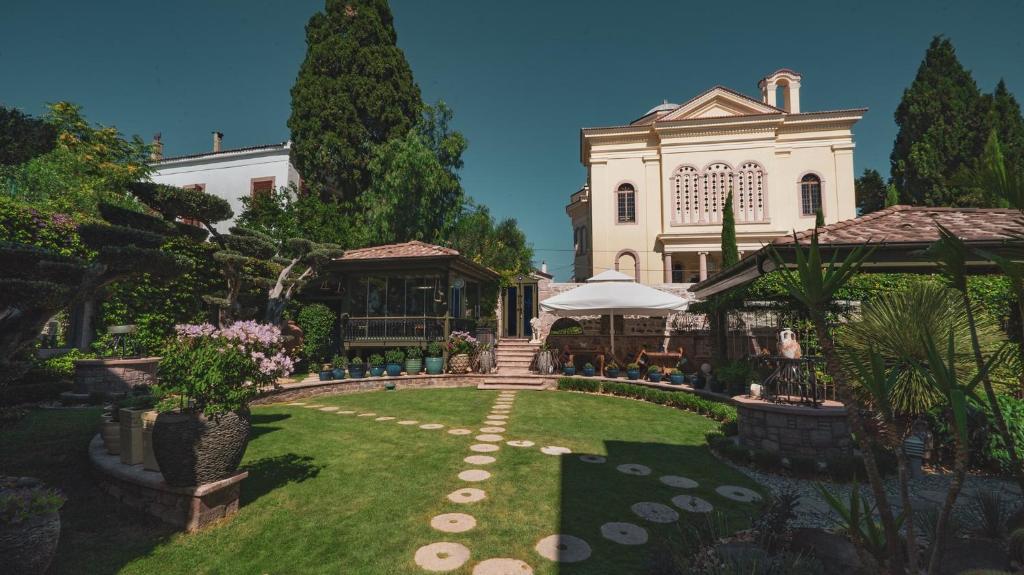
(190, 508)
(131, 435)
(794, 430)
(148, 459)
(114, 376)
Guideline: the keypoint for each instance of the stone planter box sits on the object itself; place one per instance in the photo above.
(114, 376)
(794, 430)
(131, 435)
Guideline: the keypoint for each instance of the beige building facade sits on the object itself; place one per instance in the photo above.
(656, 188)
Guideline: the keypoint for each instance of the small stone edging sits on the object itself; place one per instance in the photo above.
(301, 390)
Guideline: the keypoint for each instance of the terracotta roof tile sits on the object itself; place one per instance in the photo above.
(917, 224)
(413, 249)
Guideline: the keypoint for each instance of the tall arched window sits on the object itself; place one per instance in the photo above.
(626, 202)
(810, 195)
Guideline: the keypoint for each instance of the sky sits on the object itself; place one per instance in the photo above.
(522, 77)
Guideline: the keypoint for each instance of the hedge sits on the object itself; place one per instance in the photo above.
(678, 399)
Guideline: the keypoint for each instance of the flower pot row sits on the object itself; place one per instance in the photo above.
(654, 374)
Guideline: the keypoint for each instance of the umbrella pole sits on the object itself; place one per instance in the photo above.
(612, 323)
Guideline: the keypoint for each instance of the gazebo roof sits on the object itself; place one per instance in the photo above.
(900, 235)
(410, 253)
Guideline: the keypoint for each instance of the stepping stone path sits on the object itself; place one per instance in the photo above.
(741, 494)
(475, 475)
(479, 459)
(444, 556)
(499, 416)
(624, 533)
(634, 469)
(678, 481)
(366, 415)
(460, 431)
(408, 422)
(555, 450)
(467, 495)
(329, 408)
(655, 512)
(346, 412)
(484, 447)
(431, 426)
(692, 504)
(592, 459)
(492, 429)
(488, 437)
(384, 418)
(521, 443)
(453, 522)
(502, 566)
(563, 548)
(491, 422)
(296, 403)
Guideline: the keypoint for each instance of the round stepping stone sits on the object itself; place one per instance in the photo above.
(489, 437)
(592, 459)
(521, 443)
(483, 447)
(312, 405)
(346, 412)
(497, 416)
(634, 469)
(563, 548)
(384, 418)
(460, 431)
(624, 533)
(678, 481)
(444, 556)
(453, 522)
(502, 566)
(555, 450)
(431, 426)
(692, 503)
(408, 422)
(329, 408)
(297, 403)
(655, 512)
(467, 495)
(366, 415)
(492, 429)
(479, 459)
(501, 408)
(741, 494)
(474, 475)
(492, 422)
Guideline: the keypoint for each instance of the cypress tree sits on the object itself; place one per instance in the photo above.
(892, 195)
(354, 90)
(1005, 118)
(819, 218)
(941, 132)
(730, 252)
(870, 191)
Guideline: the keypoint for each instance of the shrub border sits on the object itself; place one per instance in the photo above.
(718, 410)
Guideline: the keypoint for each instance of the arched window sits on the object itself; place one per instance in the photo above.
(625, 199)
(810, 195)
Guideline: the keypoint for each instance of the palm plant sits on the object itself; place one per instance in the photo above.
(814, 283)
(893, 325)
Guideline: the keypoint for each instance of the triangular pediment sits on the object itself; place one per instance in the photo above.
(719, 102)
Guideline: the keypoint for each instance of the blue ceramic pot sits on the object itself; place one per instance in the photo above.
(394, 369)
(435, 365)
(356, 371)
(612, 373)
(677, 378)
(569, 370)
(632, 374)
(325, 375)
(338, 373)
(588, 371)
(655, 377)
(376, 370)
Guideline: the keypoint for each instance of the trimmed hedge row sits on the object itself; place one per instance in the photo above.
(678, 399)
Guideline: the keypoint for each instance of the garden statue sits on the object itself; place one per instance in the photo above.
(789, 347)
(535, 330)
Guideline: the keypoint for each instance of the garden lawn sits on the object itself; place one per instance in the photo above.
(331, 493)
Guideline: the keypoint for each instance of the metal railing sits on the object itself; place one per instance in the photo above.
(794, 380)
(423, 328)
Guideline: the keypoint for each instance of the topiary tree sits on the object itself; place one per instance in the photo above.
(37, 282)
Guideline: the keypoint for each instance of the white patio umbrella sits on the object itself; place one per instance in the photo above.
(612, 292)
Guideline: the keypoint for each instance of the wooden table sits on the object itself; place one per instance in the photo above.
(663, 358)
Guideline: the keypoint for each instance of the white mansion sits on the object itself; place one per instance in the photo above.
(652, 205)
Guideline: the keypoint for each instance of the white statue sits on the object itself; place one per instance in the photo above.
(789, 347)
(535, 330)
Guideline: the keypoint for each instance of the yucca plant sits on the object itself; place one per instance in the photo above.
(814, 282)
(857, 520)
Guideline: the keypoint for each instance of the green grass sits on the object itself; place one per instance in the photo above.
(332, 493)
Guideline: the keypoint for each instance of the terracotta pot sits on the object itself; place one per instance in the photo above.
(28, 547)
(459, 363)
(193, 449)
(110, 431)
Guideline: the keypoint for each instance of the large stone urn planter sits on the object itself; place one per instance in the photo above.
(192, 449)
(459, 363)
(486, 361)
(27, 547)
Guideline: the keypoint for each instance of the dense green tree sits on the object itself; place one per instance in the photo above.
(501, 246)
(23, 137)
(730, 251)
(870, 190)
(892, 196)
(1006, 125)
(354, 90)
(941, 121)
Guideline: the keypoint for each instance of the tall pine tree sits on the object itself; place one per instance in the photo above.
(941, 121)
(354, 90)
(1005, 118)
(870, 192)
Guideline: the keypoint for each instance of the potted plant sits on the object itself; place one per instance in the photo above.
(376, 365)
(676, 377)
(569, 369)
(29, 525)
(393, 359)
(611, 369)
(654, 373)
(588, 369)
(545, 359)
(413, 360)
(326, 372)
(207, 379)
(633, 371)
(485, 358)
(356, 368)
(435, 358)
(461, 347)
(339, 363)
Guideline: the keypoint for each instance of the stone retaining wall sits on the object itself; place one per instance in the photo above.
(114, 376)
(794, 430)
(190, 508)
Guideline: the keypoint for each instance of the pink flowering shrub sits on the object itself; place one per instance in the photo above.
(217, 370)
(461, 342)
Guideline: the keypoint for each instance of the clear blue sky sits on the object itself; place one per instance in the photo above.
(523, 77)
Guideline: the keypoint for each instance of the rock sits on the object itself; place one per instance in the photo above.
(968, 554)
(835, 551)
